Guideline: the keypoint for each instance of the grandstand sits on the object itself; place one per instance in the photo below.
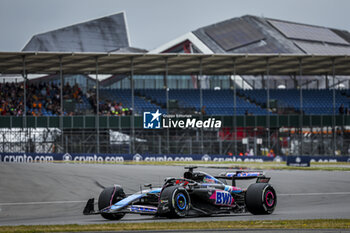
(216, 102)
(272, 101)
(247, 34)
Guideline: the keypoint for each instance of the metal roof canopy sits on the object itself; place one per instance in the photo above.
(178, 64)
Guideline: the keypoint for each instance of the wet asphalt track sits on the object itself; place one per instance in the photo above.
(56, 193)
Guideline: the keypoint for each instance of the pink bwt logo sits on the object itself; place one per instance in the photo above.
(222, 198)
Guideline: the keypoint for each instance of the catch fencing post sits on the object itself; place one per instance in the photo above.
(301, 120)
(132, 138)
(167, 102)
(268, 104)
(201, 101)
(334, 103)
(235, 105)
(97, 109)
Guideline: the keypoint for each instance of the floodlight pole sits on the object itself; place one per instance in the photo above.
(301, 121)
(201, 101)
(167, 102)
(235, 105)
(97, 109)
(268, 103)
(132, 139)
(333, 118)
(61, 101)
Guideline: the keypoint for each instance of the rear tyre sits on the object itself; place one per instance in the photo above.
(108, 197)
(178, 201)
(260, 198)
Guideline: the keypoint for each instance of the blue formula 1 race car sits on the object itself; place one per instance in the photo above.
(195, 194)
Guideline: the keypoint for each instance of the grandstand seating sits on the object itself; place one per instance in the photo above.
(216, 102)
(220, 102)
(124, 96)
(43, 100)
(84, 106)
(315, 102)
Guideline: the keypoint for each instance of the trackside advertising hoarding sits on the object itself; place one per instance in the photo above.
(299, 161)
(116, 158)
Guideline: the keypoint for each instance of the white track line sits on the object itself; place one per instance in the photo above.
(41, 203)
(69, 202)
(312, 194)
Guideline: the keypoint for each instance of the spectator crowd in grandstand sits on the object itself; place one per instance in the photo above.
(108, 107)
(11, 99)
(42, 98)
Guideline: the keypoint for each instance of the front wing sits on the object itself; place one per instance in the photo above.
(131, 209)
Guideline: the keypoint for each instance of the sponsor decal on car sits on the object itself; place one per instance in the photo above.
(222, 198)
(210, 179)
(142, 209)
(242, 174)
(232, 189)
(247, 174)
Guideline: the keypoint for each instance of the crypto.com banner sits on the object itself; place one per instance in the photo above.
(115, 158)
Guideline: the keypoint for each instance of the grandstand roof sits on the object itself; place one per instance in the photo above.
(178, 64)
(105, 34)
(252, 34)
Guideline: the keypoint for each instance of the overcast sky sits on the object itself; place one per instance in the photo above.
(155, 22)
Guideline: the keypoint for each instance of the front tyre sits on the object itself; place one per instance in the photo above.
(177, 202)
(108, 197)
(260, 198)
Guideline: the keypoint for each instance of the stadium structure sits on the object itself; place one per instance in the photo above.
(279, 88)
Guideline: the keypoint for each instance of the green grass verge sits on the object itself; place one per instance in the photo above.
(264, 224)
(316, 166)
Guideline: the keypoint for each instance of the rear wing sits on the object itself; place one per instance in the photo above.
(244, 175)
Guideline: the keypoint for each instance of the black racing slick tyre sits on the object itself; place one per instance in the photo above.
(260, 198)
(178, 201)
(108, 197)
